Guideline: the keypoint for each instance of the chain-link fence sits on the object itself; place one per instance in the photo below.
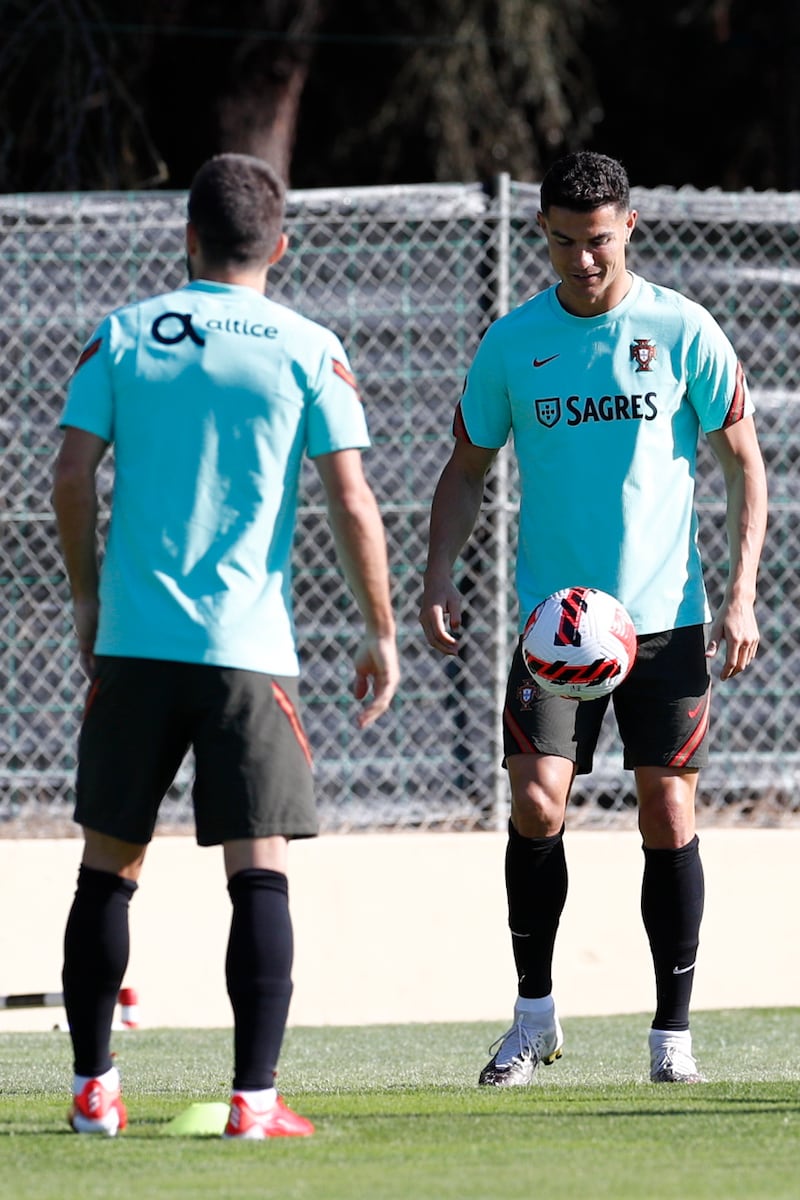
(409, 278)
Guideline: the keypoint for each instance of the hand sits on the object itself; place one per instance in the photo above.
(735, 624)
(376, 660)
(440, 615)
(85, 615)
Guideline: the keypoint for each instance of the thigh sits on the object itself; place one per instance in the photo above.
(132, 741)
(662, 708)
(535, 722)
(252, 758)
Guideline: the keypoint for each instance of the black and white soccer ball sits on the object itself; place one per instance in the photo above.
(579, 643)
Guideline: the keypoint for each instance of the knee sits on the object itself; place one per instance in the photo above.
(666, 809)
(540, 786)
(536, 812)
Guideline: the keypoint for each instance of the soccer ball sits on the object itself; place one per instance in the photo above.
(579, 643)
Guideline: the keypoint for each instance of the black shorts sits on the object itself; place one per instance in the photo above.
(662, 709)
(252, 760)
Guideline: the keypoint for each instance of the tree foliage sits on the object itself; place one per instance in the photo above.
(70, 99)
(140, 96)
(452, 89)
(136, 93)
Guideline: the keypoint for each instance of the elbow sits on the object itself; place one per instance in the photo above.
(353, 501)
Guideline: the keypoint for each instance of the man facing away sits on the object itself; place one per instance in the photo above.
(211, 396)
(605, 368)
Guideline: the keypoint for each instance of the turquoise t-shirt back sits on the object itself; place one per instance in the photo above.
(211, 396)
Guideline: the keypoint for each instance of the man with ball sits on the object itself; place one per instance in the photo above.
(605, 381)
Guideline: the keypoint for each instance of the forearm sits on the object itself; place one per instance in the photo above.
(739, 455)
(75, 505)
(454, 511)
(361, 549)
(746, 528)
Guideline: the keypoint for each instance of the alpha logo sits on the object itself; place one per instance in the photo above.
(643, 352)
(540, 362)
(172, 327)
(548, 411)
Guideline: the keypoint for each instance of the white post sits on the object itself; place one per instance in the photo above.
(501, 476)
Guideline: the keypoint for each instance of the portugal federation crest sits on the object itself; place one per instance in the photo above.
(548, 411)
(643, 351)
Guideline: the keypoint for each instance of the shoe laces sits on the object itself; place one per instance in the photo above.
(675, 1058)
(528, 1042)
(95, 1100)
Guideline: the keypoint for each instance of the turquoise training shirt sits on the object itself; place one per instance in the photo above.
(211, 396)
(605, 414)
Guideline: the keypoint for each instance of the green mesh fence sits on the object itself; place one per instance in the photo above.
(408, 277)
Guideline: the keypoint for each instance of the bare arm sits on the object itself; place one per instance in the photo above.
(75, 504)
(456, 504)
(361, 548)
(739, 455)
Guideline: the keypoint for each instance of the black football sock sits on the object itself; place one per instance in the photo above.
(96, 949)
(258, 971)
(673, 893)
(536, 886)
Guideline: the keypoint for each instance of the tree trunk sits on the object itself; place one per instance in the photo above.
(257, 112)
(260, 116)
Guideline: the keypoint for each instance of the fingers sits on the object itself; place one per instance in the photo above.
(370, 712)
(740, 652)
(437, 634)
(376, 664)
(377, 706)
(738, 658)
(86, 659)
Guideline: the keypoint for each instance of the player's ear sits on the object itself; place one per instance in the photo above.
(541, 221)
(630, 223)
(192, 240)
(281, 246)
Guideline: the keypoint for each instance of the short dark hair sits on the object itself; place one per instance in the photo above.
(584, 181)
(236, 204)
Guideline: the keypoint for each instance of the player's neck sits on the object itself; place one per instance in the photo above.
(251, 275)
(253, 279)
(587, 301)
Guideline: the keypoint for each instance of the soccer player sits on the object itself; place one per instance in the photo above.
(604, 380)
(210, 396)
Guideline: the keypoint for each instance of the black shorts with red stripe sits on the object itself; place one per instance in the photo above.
(661, 709)
(252, 761)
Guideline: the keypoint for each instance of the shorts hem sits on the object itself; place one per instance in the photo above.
(208, 840)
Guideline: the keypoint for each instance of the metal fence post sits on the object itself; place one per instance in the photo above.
(502, 304)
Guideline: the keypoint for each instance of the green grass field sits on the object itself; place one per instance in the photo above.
(398, 1115)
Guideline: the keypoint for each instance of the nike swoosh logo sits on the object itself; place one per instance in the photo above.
(540, 362)
(682, 970)
(692, 712)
